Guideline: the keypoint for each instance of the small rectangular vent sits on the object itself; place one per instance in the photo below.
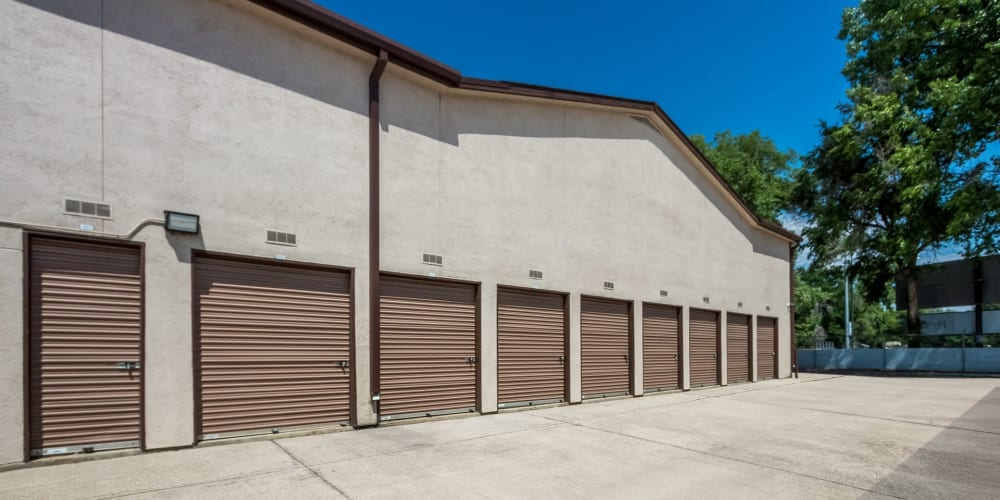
(663, 293)
(432, 259)
(280, 238)
(88, 208)
(609, 285)
(535, 275)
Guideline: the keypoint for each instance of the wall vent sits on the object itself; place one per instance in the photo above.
(535, 275)
(609, 285)
(87, 208)
(767, 308)
(280, 238)
(432, 259)
(739, 304)
(705, 299)
(663, 293)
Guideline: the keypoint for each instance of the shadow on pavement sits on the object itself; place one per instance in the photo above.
(962, 461)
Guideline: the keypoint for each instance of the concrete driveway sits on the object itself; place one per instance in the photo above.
(815, 437)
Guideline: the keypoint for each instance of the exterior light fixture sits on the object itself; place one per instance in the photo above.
(177, 222)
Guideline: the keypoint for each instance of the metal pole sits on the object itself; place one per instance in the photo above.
(847, 308)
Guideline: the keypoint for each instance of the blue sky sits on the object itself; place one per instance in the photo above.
(712, 65)
(772, 65)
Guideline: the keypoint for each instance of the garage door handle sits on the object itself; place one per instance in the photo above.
(343, 364)
(675, 356)
(562, 359)
(127, 366)
(471, 359)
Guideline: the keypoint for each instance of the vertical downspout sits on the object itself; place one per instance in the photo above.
(794, 353)
(374, 287)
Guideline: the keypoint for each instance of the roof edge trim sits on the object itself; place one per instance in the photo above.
(347, 31)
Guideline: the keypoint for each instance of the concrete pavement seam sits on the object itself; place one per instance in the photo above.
(311, 471)
(428, 446)
(702, 398)
(200, 483)
(887, 419)
(748, 462)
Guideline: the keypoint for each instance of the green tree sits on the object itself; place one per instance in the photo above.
(819, 308)
(754, 166)
(904, 171)
(819, 297)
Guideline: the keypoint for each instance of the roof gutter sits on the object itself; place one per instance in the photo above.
(374, 211)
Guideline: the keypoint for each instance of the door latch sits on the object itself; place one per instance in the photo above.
(343, 364)
(471, 359)
(562, 359)
(128, 365)
(675, 356)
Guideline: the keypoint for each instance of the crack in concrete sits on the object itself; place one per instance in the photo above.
(311, 471)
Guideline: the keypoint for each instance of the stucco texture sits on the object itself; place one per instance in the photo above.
(256, 123)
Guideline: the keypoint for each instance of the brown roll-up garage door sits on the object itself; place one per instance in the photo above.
(531, 347)
(767, 360)
(704, 331)
(737, 348)
(272, 346)
(604, 331)
(428, 347)
(661, 347)
(85, 303)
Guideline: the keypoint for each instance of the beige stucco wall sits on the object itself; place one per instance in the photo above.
(216, 108)
(253, 122)
(500, 185)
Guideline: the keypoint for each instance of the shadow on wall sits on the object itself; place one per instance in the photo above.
(255, 46)
(215, 32)
(449, 118)
(184, 244)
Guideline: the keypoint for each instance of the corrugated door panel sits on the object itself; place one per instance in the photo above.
(428, 347)
(531, 332)
(604, 330)
(269, 345)
(85, 318)
(737, 348)
(661, 340)
(766, 359)
(704, 337)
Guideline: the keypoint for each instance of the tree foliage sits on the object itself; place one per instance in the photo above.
(754, 166)
(904, 172)
(819, 299)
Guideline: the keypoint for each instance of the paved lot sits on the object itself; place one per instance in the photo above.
(815, 437)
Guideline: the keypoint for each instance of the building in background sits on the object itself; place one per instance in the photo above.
(958, 298)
